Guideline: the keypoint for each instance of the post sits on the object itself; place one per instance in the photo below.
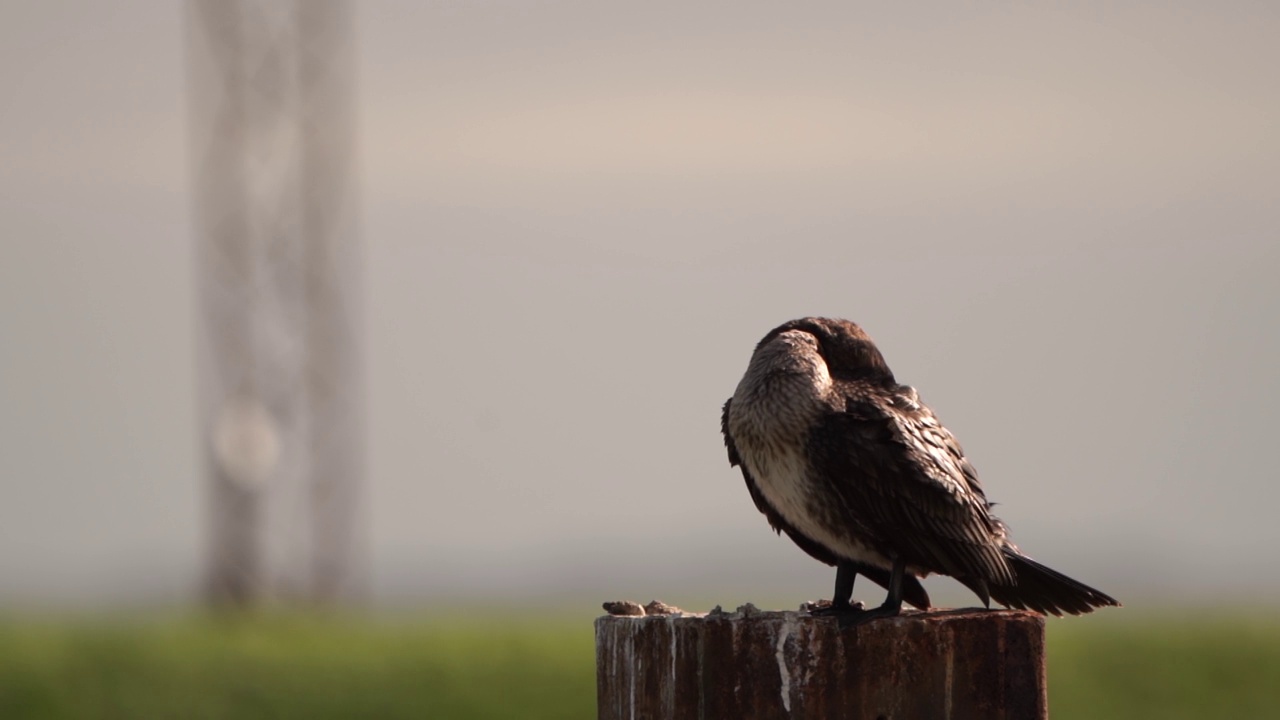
(752, 665)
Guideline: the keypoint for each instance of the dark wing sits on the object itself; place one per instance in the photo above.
(913, 591)
(905, 483)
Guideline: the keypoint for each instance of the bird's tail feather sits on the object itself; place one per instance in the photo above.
(1046, 590)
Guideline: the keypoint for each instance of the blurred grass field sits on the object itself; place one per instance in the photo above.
(1192, 665)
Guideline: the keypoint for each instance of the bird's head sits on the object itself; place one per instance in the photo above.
(845, 348)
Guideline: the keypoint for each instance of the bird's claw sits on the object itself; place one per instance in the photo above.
(826, 608)
(860, 617)
(849, 614)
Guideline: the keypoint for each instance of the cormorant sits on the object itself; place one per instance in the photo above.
(862, 476)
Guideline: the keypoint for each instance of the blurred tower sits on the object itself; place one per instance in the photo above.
(277, 264)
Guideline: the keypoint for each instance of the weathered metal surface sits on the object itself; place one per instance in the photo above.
(748, 665)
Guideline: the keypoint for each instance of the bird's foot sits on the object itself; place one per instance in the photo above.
(826, 608)
(865, 616)
(851, 614)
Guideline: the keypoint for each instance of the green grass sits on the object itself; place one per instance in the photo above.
(507, 666)
(297, 667)
(1198, 664)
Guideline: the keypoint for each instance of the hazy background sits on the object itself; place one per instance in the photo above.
(1061, 223)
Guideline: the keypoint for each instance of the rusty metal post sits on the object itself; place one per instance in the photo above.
(752, 665)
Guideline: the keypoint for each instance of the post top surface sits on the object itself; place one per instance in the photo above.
(633, 612)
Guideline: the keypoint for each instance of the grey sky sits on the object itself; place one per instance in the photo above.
(1061, 224)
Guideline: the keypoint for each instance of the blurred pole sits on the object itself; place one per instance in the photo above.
(326, 83)
(271, 89)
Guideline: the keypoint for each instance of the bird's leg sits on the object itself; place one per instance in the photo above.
(846, 573)
(842, 596)
(892, 603)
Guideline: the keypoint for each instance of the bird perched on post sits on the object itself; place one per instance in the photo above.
(861, 475)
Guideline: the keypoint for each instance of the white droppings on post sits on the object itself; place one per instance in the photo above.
(671, 687)
(784, 674)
